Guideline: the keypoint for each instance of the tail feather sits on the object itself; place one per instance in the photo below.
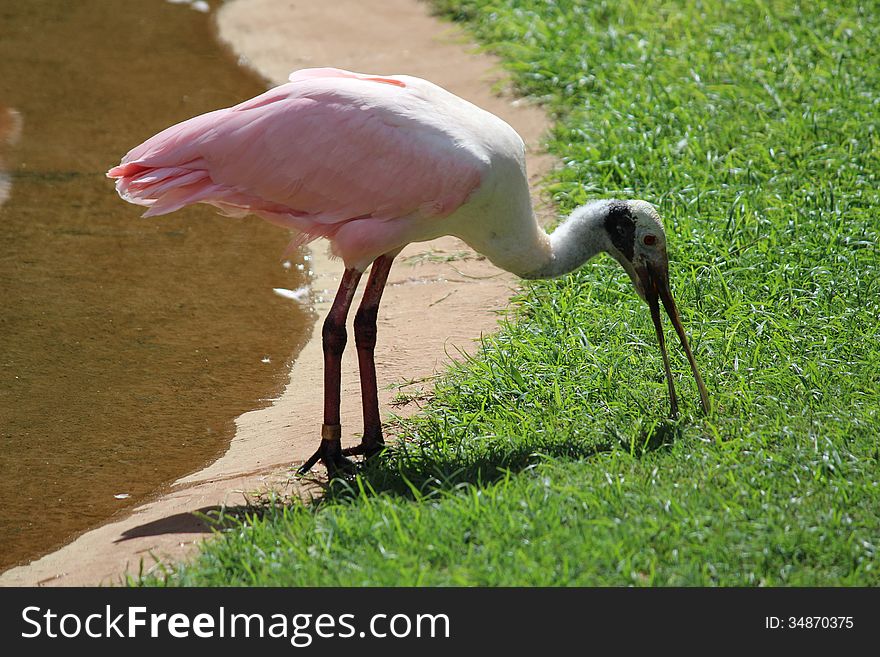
(162, 189)
(178, 197)
(126, 170)
(160, 181)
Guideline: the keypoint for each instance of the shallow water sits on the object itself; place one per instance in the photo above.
(127, 345)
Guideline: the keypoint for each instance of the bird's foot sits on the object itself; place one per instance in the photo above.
(329, 453)
(370, 445)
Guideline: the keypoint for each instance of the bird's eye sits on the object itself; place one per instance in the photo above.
(649, 240)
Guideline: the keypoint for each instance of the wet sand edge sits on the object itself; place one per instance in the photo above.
(439, 300)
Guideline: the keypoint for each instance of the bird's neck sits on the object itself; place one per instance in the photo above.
(577, 239)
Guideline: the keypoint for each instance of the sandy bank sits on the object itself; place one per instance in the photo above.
(431, 308)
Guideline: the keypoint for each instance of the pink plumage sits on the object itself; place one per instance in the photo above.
(362, 160)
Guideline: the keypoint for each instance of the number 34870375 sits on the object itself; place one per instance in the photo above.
(809, 622)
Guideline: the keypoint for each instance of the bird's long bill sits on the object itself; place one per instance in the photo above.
(656, 286)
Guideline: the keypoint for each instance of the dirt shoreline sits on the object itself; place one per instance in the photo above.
(440, 297)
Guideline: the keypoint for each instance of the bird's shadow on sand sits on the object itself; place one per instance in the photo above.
(206, 520)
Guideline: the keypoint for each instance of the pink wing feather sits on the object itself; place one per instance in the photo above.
(325, 149)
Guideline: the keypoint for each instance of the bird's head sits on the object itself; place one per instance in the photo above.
(636, 239)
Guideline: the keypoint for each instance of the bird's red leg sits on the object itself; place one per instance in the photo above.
(334, 338)
(365, 339)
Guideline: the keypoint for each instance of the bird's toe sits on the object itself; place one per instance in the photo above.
(367, 448)
(339, 466)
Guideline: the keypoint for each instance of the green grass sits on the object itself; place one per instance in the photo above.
(548, 458)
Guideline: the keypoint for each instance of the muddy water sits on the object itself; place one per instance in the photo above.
(127, 345)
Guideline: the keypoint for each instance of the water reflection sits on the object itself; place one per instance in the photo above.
(10, 131)
(198, 5)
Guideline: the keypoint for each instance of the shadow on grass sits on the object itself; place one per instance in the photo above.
(423, 467)
(657, 436)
